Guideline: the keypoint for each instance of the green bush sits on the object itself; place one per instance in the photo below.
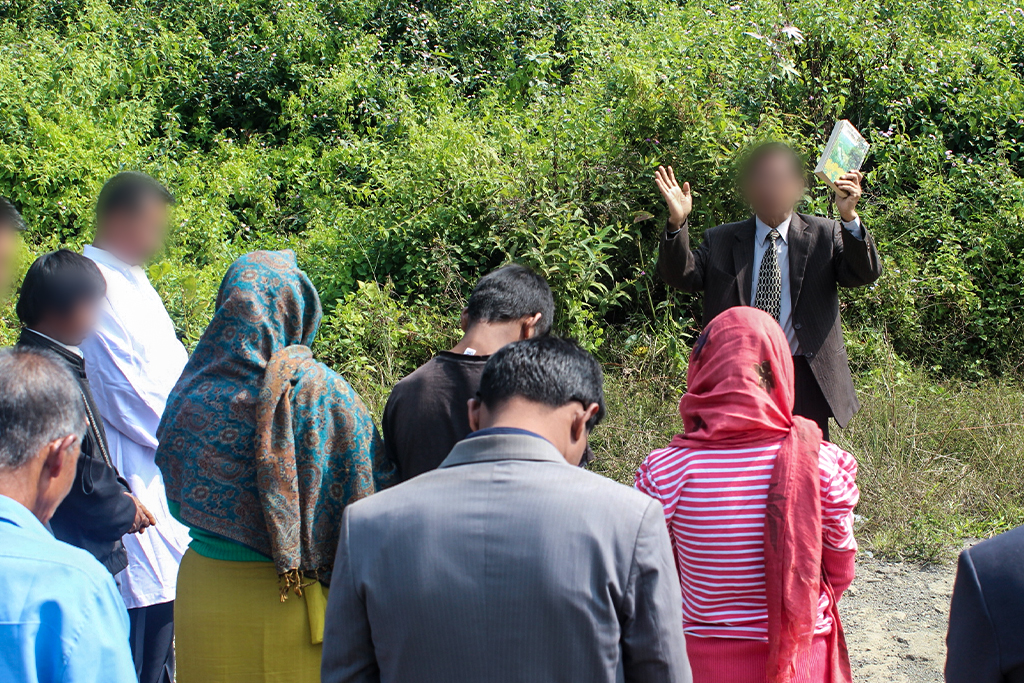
(418, 145)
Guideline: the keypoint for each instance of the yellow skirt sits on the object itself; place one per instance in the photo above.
(230, 625)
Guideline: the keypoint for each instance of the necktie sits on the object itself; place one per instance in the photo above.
(769, 280)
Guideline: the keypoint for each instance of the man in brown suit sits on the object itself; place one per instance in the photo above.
(783, 262)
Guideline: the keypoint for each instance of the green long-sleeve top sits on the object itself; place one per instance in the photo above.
(214, 546)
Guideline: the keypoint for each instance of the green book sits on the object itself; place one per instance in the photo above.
(844, 152)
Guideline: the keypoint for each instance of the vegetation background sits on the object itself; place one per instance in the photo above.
(403, 148)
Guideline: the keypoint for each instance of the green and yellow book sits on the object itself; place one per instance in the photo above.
(844, 152)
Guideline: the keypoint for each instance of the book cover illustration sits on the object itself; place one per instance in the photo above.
(845, 152)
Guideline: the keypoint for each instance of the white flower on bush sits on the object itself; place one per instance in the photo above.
(795, 34)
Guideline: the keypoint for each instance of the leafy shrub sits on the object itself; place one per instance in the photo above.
(418, 145)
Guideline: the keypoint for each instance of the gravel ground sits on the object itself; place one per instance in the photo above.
(895, 616)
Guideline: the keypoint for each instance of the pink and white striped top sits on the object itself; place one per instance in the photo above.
(714, 503)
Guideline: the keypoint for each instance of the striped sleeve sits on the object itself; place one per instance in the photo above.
(644, 481)
(839, 496)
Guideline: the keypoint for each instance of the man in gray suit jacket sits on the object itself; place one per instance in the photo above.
(509, 562)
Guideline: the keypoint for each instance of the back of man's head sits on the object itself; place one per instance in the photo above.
(511, 293)
(40, 402)
(56, 283)
(545, 370)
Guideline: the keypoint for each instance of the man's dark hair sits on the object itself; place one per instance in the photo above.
(56, 283)
(753, 159)
(127, 191)
(546, 370)
(510, 293)
(39, 402)
(9, 216)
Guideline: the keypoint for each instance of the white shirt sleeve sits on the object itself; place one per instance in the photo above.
(855, 228)
(119, 383)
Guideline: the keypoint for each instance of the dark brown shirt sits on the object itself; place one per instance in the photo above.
(427, 413)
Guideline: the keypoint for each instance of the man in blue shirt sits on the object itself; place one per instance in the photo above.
(61, 617)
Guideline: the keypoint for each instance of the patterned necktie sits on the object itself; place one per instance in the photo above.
(769, 280)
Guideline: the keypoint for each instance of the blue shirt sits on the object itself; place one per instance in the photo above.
(61, 617)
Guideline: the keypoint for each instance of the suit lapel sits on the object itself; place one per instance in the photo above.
(800, 242)
(743, 259)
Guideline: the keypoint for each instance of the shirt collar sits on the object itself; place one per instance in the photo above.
(20, 516)
(73, 349)
(106, 258)
(493, 447)
(490, 431)
(762, 229)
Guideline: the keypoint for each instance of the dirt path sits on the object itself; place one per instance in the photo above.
(895, 616)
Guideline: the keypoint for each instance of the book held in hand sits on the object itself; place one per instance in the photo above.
(844, 152)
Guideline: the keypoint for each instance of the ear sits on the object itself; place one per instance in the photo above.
(61, 455)
(464, 321)
(474, 405)
(528, 329)
(578, 429)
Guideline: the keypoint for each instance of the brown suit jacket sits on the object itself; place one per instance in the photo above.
(822, 257)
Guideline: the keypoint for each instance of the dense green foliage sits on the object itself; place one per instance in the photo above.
(418, 144)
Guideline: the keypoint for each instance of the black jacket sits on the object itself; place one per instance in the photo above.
(822, 257)
(985, 642)
(97, 512)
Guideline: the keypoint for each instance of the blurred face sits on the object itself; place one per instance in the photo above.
(8, 250)
(73, 328)
(774, 186)
(136, 236)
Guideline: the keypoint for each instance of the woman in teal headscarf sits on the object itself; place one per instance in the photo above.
(261, 448)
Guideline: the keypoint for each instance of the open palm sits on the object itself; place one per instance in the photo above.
(679, 199)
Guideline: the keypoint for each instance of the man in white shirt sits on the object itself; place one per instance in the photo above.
(786, 263)
(133, 361)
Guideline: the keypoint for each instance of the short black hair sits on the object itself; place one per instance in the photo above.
(510, 293)
(754, 157)
(9, 215)
(547, 370)
(57, 282)
(127, 191)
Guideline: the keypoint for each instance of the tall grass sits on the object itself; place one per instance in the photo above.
(940, 461)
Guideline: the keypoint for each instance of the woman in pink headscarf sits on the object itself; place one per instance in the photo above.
(760, 512)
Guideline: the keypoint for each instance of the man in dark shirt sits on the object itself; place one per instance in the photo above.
(427, 414)
(58, 307)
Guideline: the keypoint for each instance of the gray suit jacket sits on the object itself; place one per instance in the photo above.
(506, 564)
(822, 257)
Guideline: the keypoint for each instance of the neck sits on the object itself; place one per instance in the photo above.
(103, 241)
(538, 424)
(18, 486)
(487, 339)
(48, 330)
(774, 220)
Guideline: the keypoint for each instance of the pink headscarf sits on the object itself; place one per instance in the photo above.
(740, 394)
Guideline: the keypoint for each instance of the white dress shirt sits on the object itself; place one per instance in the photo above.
(133, 361)
(761, 243)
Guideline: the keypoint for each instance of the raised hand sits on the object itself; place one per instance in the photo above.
(848, 194)
(678, 199)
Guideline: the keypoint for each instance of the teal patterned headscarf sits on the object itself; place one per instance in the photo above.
(260, 443)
